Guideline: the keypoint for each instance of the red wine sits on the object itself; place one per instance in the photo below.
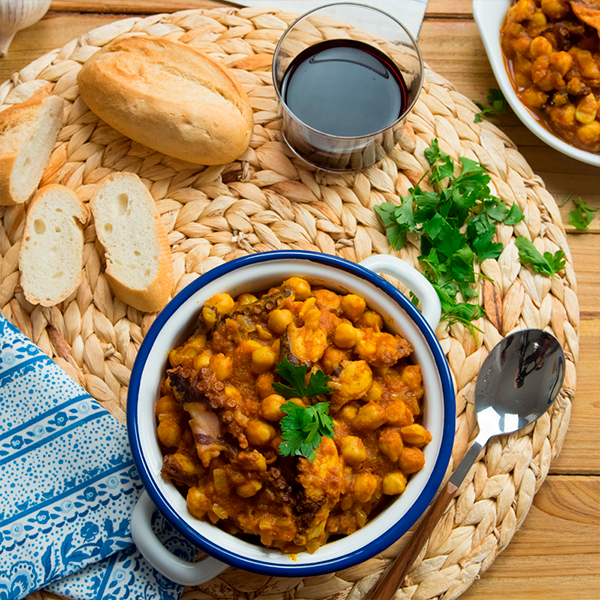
(344, 88)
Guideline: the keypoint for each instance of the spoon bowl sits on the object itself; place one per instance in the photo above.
(518, 382)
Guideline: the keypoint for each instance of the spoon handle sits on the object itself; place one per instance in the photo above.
(390, 581)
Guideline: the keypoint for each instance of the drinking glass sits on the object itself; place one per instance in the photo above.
(355, 22)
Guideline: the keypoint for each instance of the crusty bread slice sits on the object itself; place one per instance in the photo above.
(28, 132)
(139, 267)
(51, 252)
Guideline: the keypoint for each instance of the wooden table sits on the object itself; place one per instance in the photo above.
(556, 555)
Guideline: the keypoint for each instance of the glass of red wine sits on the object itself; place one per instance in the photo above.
(346, 77)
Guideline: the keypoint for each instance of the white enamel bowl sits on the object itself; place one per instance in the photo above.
(489, 16)
(176, 323)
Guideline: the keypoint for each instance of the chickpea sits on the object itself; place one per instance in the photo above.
(371, 319)
(348, 412)
(167, 408)
(398, 414)
(589, 133)
(244, 299)
(332, 358)
(169, 433)
(565, 115)
(201, 361)
(369, 417)
(561, 62)
(270, 407)
(345, 335)
(411, 460)
(540, 45)
(197, 502)
(249, 488)
(416, 435)
(221, 365)
(538, 23)
(264, 385)
(353, 306)
(252, 461)
(523, 10)
(222, 302)
(364, 487)
(353, 450)
(533, 97)
(411, 376)
(374, 392)
(279, 319)
(259, 433)
(300, 286)
(263, 359)
(555, 9)
(394, 484)
(587, 108)
(390, 443)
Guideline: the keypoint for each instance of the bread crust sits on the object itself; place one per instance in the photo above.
(170, 97)
(11, 143)
(156, 295)
(81, 215)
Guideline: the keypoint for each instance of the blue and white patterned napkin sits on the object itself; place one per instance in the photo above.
(68, 486)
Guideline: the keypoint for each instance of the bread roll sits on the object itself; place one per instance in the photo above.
(170, 97)
(27, 135)
(139, 268)
(51, 252)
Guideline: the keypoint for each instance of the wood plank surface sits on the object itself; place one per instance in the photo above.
(556, 555)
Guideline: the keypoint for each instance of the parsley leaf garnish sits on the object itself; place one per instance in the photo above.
(582, 215)
(548, 264)
(448, 248)
(303, 428)
(497, 103)
(295, 375)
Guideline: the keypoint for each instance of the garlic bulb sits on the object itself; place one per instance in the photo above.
(16, 15)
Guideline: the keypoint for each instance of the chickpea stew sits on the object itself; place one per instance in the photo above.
(225, 410)
(552, 52)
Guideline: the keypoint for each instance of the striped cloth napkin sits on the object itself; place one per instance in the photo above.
(68, 486)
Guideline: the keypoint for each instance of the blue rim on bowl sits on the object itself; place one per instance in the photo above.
(349, 559)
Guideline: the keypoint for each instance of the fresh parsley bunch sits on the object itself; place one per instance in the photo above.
(456, 223)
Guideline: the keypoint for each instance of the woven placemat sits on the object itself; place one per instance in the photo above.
(269, 200)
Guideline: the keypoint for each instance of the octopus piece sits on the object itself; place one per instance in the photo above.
(352, 383)
(206, 428)
(203, 387)
(587, 11)
(381, 349)
(180, 469)
(321, 480)
(302, 345)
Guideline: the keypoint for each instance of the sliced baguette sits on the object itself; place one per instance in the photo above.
(139, 268)
(51, 252)
(28, 132)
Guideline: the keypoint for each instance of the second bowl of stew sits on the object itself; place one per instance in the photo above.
(291, 414)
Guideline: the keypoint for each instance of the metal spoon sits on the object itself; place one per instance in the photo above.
(517, 384)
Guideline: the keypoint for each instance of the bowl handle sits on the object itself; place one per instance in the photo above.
(412, 279)
(178, 570)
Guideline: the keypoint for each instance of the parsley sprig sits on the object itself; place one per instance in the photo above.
(582, 215)
(303, 428)
(295, 375)
(546, 264)
(497, 103)
(456, 223)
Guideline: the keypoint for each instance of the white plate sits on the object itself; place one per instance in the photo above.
(489, 16)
